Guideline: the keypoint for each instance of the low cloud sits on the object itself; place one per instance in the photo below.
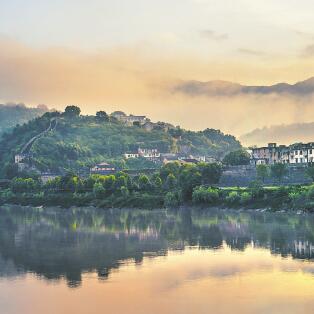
(308, 51)
(212, 35)
(140, 80)
(251, 52)
(282, 134)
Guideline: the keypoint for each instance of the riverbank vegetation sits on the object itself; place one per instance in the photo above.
(171, 186)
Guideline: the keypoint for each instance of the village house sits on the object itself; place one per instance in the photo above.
(294, 154)
(181, 158)
(129, 120)
(147, 153)
(103, 169)
(131, 155)
(19, 158)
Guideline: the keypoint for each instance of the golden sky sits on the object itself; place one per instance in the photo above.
(129, 55)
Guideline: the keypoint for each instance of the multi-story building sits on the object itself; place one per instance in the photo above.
(294, 154)
(147, 153)
(151, 154)
(302, 153)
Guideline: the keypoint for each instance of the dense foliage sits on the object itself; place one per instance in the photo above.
(237, 158)
(172, 185)
(79, 142)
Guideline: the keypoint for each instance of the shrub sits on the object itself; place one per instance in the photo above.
(205, 195)
(233, 198)
(171, 199)
(256, 189)
(245, 198)
(99, 190)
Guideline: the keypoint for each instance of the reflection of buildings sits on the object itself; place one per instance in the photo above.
(57, 243)
(303, 250)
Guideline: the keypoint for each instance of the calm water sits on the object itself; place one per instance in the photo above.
(93, 261)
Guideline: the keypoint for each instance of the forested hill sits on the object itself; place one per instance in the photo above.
(13, 114)
(79, 142)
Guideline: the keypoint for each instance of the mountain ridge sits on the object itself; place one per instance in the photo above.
(227, 88)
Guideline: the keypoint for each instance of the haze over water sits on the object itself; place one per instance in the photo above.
(86, 261)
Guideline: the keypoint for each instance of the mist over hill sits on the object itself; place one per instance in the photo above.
(13, 114)
(225, 88)
(283, 134)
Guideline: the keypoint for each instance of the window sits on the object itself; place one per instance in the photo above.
(296, 160)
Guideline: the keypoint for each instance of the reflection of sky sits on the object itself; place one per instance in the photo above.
(193, 281)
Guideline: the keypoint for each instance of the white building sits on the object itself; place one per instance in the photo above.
(131, 155)
(147, 153)
(19, 158)
(300, 154)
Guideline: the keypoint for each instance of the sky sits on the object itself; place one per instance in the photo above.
(129, 54)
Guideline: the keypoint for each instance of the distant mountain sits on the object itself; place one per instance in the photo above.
(282, 134)
(224, 88)
(13, 114)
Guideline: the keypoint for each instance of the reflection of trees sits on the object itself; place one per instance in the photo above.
(56, 243)
(210, 238)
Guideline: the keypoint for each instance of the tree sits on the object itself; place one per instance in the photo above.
(98, 190)
(20, 185)
(278, 171)
(171, 182)
(310, 171)
(237, 158)
(157, 182)
(143, 182)
(262, 172)
(189, 178)
(211, 173)
(72, 111)
(10, 171)
(102, 116)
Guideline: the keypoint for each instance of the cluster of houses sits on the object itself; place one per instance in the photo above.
(155, 156)
(299, 153)
(141, 121)
(152, 155)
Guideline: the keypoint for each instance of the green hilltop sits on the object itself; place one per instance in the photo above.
(78, 142)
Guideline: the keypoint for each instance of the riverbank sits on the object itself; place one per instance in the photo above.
(255, 197)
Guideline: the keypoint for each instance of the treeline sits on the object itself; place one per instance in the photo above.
(257, 197)
(172, 185)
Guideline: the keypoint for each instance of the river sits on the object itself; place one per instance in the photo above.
(84, 260)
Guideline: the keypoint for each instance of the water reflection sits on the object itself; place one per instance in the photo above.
(58, 243)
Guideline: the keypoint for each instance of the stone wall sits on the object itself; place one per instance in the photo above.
(243, 175)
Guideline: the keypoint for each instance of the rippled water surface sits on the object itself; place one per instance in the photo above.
(93, 261)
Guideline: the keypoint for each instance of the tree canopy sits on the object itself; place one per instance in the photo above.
(237, 158)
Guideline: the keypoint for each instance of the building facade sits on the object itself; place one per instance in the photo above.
(299, 153)
(103, 169)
